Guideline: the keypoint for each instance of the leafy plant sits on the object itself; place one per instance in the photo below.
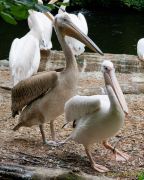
(13, 10)
(137, 4)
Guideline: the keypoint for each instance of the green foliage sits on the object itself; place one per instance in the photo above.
(8, 18)
(137, 4)
(103, 3)
(13, 10)
(141, 176)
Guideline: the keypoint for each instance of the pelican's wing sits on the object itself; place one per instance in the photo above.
(140, 49)
(29, 22)
(83, 23)
(46, 33)
(80, 106)
(76, 46)
(12, 54)
(24, 58)
(44, 26)
(34, 59)
(30, 89)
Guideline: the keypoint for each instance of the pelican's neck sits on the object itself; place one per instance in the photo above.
(71, 63)
(63, 7)
(114, 103)
(35, 33)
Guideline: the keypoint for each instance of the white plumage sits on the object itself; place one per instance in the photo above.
(41, 98)
(40, 2)
(140, 49)
(98, 117)
(80, 21)
(24, 56)
(93, 121)
(46, 29)
(76, 46)
(80, 106)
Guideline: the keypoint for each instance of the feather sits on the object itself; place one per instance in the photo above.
(83, 22)
(140, 49)
(79, 106)
(80, 21)
(45, 26)
(30, 89)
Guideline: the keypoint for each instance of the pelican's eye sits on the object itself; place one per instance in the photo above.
(65, 19)
(106, 68)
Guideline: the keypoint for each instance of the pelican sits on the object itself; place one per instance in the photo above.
(46, 34)
(24, 56)
(41, 98)
(46, 24)
(99, 117)
(80, 21)
(140, 49)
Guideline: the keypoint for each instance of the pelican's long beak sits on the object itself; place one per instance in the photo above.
(49, 15)
(72, 30)
(111, 79)
(52, 1)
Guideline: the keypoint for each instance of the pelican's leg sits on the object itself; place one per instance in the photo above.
(51, 143)
(52, 130)
(43, 134)
(120, 156)
(95, 166)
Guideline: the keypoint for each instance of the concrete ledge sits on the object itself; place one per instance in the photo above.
(88, 62)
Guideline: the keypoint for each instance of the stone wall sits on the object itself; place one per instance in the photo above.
(92, 62)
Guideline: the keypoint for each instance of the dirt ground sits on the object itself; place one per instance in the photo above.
(25, 146)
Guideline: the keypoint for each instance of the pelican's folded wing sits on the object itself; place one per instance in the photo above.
(13, 53)
(30, 89)
(80, 106)
(83, 23)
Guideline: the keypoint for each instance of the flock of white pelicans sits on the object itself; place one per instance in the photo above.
(41, 97)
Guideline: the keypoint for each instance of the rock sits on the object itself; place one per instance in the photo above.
(88, 62)
(14, 171)
(4, 63)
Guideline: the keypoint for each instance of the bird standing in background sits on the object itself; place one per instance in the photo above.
(140, 49)
(80, 21)
(98, 117)
(46, 24)
(24, 56)
(46, 33)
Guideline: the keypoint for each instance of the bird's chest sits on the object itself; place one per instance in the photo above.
(53, 104)
(98, 126)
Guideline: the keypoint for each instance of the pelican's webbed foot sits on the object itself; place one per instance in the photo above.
(119, 156)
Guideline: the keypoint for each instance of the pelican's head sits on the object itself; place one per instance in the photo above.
(110, 79)
(107, 66)
(63, 23)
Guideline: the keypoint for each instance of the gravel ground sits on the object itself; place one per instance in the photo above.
(25, 146)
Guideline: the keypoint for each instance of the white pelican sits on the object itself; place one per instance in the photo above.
(80, 21)
(46, 24)
(45, 94)
(24, 56)
(46, 33)
(99, 117)
(140, 49)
